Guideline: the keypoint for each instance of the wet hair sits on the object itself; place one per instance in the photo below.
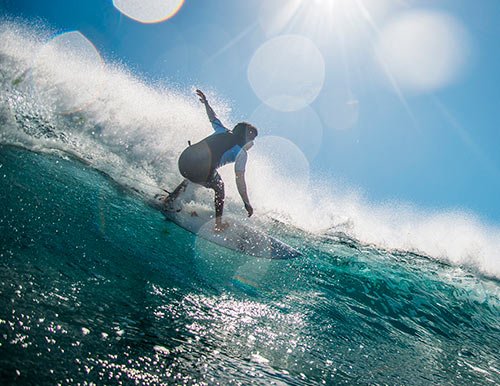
(243, 130)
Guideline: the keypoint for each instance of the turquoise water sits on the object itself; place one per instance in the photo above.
(97, 287)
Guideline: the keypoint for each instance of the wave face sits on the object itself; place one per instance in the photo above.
(97, 287)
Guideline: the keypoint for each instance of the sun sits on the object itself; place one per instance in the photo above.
(324, 19)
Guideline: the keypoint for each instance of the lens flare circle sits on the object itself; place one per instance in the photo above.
(339, 111)
(287, 72)
(282, 158)
(74, 43)
(423, 50)
(149, 11)
(61, 71)
(230, 268)
(277, 172)
(303, 127)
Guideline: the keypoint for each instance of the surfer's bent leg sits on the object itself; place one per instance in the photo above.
(172, 196)
(217, 185)
(179, 189)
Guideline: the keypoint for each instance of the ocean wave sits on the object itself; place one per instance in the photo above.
(58, 97)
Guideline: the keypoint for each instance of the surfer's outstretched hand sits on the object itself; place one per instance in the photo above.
(249, 209)
(203, 98)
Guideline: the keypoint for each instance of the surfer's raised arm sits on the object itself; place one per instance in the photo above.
(210, 112)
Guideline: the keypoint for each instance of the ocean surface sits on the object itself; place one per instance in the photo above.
(96, 287)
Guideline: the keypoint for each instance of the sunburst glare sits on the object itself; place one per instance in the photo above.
(322, 19)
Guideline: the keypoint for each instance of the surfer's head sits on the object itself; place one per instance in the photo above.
(245, 132)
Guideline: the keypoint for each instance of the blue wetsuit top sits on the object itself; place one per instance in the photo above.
(236, 154)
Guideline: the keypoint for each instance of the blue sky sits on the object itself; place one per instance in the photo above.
(403, 97)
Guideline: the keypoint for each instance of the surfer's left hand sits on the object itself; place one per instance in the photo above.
(203, 98)
(249, 209)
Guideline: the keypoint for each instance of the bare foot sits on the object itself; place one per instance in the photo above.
(220, 227)
(168, 206)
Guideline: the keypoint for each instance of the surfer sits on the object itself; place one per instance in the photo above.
(198, 163)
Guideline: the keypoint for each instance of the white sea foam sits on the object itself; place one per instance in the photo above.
(126, 124)
(135, 131)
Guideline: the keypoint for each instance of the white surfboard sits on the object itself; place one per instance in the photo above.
(238, 236)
